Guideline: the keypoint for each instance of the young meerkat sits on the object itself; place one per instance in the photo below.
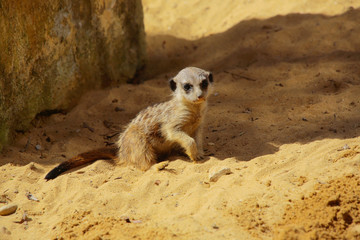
(159, 130)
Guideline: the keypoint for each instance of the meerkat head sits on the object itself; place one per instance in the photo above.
(192, 84)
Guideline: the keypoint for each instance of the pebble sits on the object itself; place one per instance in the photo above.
(205, 184)
(119, 109)
(38, 147)
(8, 209)
(162, 165)
(214, 226)
(345, 147)
(32, 197)
(216, 172)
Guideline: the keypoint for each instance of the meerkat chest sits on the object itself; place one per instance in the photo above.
(192, 123)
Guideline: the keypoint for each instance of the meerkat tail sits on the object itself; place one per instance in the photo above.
(82, 159)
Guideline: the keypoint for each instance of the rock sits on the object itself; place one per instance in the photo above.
(119, 109)
(51, 52)
(8, 209)
(162, 165)
(214, 226)
(32, 197)
(345, 147)
(216, 172)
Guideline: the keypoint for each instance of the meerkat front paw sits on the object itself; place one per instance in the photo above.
(201, 153)
(192, 152)
(199, 157)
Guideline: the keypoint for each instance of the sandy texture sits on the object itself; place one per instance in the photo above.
(284, 118)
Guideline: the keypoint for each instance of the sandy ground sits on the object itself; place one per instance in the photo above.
(284, 118)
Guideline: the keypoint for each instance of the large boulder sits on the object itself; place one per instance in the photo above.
(52, 51)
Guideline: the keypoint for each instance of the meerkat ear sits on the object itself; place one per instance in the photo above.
(211, 79)
(172, 85)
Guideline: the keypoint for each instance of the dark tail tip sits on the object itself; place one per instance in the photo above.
(56, 172)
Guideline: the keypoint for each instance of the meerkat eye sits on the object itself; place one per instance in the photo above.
(187, 87)
(204, 84)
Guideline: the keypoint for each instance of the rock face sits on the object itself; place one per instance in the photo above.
(52, 51)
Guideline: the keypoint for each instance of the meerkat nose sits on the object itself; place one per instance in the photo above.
(200, 98)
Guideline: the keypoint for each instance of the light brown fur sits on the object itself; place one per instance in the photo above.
(166, 127)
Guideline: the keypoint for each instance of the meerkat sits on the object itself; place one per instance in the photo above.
(159, 130)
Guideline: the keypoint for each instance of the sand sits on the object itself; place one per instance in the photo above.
(284, 118)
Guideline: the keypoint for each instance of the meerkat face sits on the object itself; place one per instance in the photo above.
(192, 84)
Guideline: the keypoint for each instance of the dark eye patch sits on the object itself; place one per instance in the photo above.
(211, 79)
(187, 87)
(172, 84)
(204, 84)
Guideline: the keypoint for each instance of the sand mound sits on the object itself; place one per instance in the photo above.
(284, 119)
(328, 213)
